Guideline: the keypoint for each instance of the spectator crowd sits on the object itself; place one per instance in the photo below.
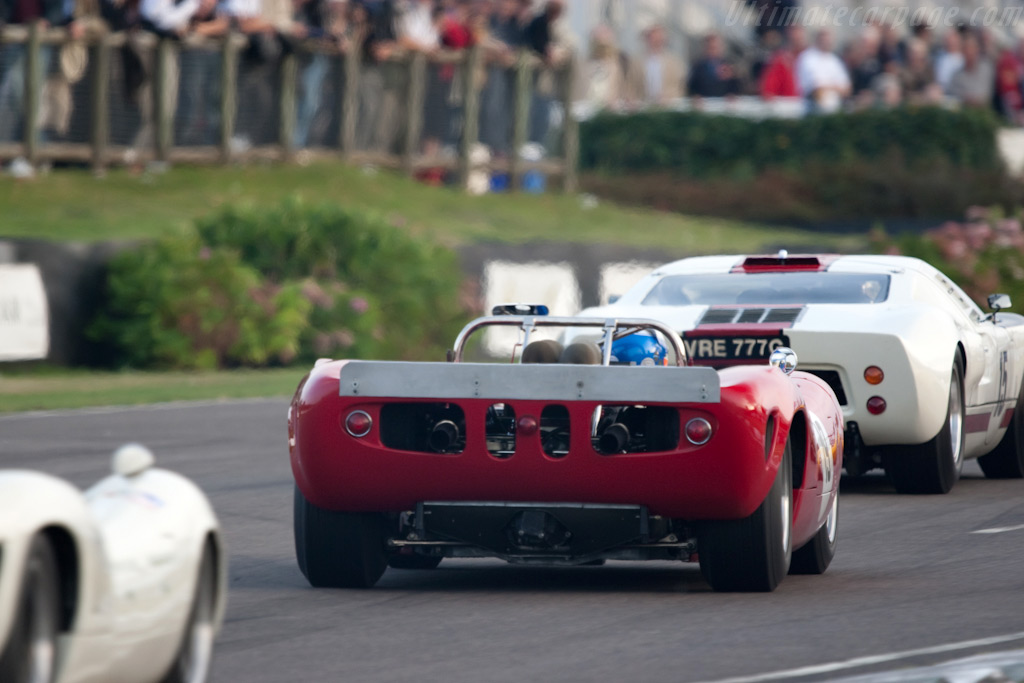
(272, 28)
(883, 65)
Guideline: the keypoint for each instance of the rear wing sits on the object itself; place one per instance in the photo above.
(503, 381)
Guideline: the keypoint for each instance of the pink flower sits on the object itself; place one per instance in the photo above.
(359, 305)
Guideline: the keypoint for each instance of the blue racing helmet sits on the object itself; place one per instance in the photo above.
(638, 349)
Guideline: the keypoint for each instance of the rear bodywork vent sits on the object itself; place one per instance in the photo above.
(725, 316)
(782, 315)
(719, 316)
(751, 315)
(831, 378)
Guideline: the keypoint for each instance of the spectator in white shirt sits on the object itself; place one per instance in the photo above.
(168, 17)
(950, 60)
(418, 27)
(822, 76)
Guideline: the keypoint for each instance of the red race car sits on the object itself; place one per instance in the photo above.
(607, 448)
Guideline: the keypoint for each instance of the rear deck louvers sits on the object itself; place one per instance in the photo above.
(750, 315)
(719, 316)
(782, 315)
(726, 316)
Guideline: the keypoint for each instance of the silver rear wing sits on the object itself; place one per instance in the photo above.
(504, 381)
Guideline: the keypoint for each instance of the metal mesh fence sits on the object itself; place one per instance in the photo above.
(12, 88)
(197, 117)
(382, 101)
(442, 117)
(320, 85)
(129, 99)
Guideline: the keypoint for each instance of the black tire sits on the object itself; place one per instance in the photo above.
(339, 549)
(817, 554)
(192, 663)
(754, 553)
(933, 467)
(414, 561)
(1006, 461)
(30, 655)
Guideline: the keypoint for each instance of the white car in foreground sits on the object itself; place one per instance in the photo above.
(926, 379)
(122, 584)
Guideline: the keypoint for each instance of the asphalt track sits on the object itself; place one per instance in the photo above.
(916, 580)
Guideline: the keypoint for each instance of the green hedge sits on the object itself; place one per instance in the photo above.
(700, 145)
(254, 287)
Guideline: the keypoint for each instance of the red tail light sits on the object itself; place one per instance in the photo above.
(876, 405)
(698, 431)
(358, 423)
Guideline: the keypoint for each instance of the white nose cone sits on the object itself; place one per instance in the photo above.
(132, 459)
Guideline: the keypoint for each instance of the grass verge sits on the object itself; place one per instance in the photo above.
(60, 389)
(75, 205)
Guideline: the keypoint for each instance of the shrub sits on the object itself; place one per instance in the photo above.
(296, 282)
(176, 303)
(983, 255)
(408, 287)
(699, 146)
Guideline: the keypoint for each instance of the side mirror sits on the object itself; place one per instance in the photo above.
(783, 358)
(998, 302)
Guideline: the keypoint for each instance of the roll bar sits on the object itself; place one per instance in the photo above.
(613, 328)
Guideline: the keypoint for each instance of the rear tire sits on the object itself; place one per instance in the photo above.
(414, 561)
(30, 655)
(338, 549)
(192, 663)
(754, 553)
(933, 467)
(1006, 461)
(816, 555)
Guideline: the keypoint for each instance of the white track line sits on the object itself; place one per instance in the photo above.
(872, 659)
(999, 529)
(142, 407)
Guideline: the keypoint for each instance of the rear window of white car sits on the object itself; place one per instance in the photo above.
(769, 288)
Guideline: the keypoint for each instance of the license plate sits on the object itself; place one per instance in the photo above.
(733, 348)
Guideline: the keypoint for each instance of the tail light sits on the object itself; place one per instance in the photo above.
(873, 375)
(876, 405)
(698, 431)
(358, 423)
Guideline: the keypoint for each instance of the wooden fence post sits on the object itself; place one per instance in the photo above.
(163, 81)
(33, 91)
(470, 112)
(350, 75)
(228, 93)
(570, 130)
(521, 120)
(99, 134)
(414, 112)
(286, 104)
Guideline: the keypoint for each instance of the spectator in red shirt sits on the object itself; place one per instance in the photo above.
(1009, 73)
(779, 77)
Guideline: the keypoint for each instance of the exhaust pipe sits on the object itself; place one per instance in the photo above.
(614, 439)
(443, 436)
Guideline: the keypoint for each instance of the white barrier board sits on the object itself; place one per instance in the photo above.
(553, 284)
(24, 316)
(619, 278)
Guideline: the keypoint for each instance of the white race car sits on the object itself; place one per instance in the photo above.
(926, 379)
(122, 584)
